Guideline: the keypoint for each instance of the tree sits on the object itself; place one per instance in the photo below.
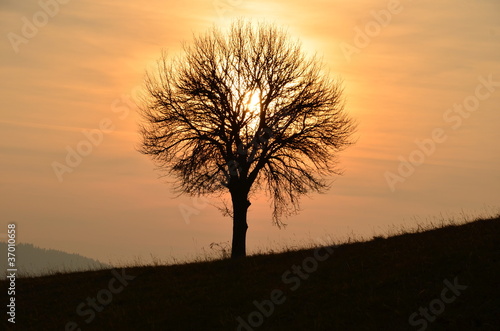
(243, 111)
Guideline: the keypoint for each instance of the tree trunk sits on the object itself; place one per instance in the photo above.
(240, 226)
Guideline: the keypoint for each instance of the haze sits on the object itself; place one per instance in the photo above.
(422, 79)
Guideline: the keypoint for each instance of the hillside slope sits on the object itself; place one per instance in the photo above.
(443, 279)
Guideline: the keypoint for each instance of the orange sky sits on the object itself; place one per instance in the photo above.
(410, 68)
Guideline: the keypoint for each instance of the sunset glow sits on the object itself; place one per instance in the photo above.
(252, 106)
(421, 79)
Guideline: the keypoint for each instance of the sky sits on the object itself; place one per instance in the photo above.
(421, 78)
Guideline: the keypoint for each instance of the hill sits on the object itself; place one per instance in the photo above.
(442, 279)
(36, 261)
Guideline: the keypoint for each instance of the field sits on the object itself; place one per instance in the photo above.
(446, 278)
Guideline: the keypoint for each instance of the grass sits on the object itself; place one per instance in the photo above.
(369, 285)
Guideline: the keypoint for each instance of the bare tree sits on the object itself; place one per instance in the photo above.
(242, 111)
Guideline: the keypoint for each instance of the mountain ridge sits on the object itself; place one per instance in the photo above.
(32, 260)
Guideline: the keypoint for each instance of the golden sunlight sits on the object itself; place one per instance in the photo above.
(252, 108)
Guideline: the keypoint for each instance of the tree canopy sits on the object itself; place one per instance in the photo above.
(245, 110)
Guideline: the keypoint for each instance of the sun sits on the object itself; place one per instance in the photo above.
(252, 104)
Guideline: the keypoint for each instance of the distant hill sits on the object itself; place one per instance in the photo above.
(36, 261)
(441, 279)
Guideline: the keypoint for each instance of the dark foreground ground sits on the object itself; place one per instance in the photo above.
(444, 279)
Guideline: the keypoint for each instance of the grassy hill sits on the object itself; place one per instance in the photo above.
(442, 279)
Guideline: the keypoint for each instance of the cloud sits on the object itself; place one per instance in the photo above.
(67, 78)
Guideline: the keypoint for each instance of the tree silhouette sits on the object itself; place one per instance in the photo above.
(243, 111)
